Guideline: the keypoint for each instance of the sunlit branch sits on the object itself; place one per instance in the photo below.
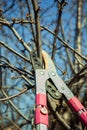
(11, 87)
(65, 43)
(17, 110)
(6, 23)
(21, 21)
(13, 96)
(19, 71)
(11, 66)
(15, 52)
(28, 81)
(59, 38)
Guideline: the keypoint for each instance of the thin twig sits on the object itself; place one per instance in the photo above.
(19, 112)
(20, 72)
(77, 76)
(67, 51)
(31, 25)
(56, 31)
(21, 21)
(10, 7)
(15, 52)
(13, 96)
(13, 123)
(65, 43)
(6, 23)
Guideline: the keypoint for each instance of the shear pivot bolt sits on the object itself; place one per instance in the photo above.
(53, 74)
(41, 72)
(56, 94)
(44, 110)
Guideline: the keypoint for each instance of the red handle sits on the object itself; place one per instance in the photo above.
(41, 112)
(76, 105)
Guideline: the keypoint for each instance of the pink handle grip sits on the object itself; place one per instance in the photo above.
(41, 118)
(41, 99)
(79, 109)
(41, 112)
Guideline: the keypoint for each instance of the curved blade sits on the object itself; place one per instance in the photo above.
(48, 63)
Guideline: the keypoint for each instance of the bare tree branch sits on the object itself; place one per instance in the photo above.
(19, 112)
(13, 96)
(77, 76)
(15, 52)
(38, 33)
(13, 123)
(57, 28)
(65, 44)
(67, 51)
(32, 28)
(6, 23)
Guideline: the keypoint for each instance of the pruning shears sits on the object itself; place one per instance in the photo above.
(45, 75)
